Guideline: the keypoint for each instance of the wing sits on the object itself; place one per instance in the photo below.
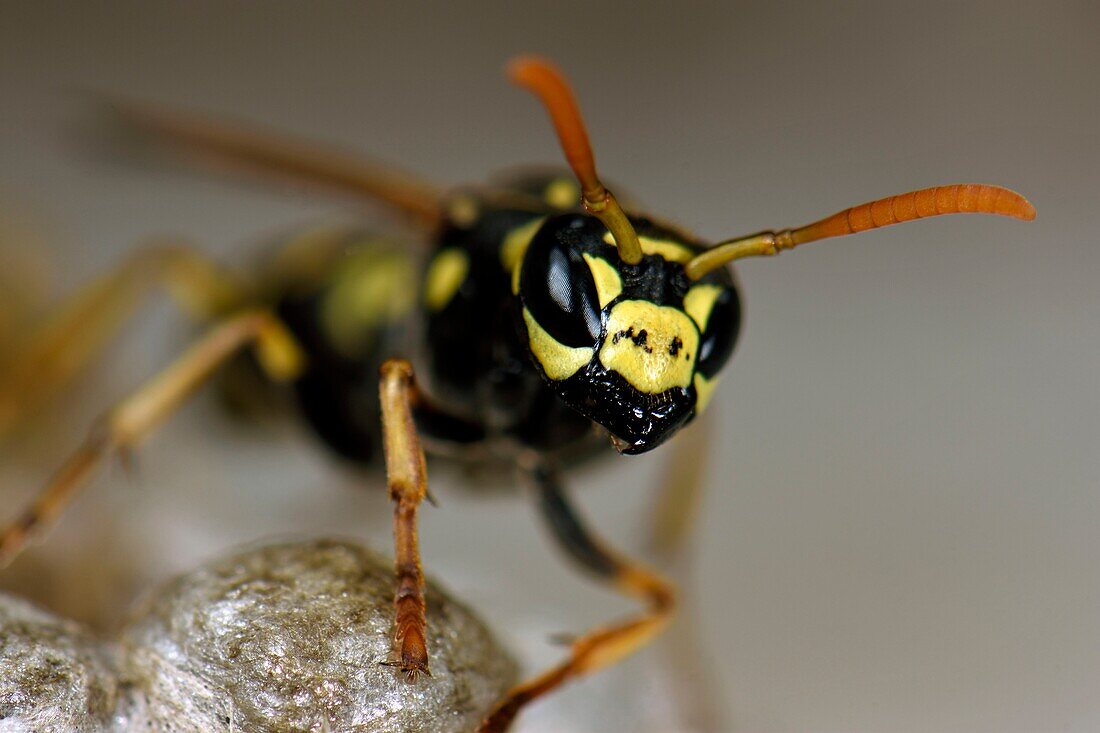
(240, 148)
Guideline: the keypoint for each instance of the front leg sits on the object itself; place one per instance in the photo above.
(408, 483)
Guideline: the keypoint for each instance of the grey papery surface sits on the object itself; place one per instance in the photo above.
(53, 675)
(283, 637)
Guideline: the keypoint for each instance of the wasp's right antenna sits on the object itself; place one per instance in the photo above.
(960, 198)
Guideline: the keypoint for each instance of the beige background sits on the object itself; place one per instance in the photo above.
(900, 532)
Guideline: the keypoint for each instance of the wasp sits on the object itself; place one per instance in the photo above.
(552, 321)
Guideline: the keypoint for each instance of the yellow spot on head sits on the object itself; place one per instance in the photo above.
(704, 388)
(669, 250)
(608, 283)
(562, 193)
(699, 302)
(652, 346)
(558, 361)
(445, 276)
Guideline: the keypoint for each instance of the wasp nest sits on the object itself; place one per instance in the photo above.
(286, 637)
(53, 675)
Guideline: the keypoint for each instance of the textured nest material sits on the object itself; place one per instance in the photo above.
(285, 637)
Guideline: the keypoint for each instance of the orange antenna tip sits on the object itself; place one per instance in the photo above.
(543, 79)
(960, 198)
(1024, 210)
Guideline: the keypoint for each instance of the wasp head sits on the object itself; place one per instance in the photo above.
(633, 347)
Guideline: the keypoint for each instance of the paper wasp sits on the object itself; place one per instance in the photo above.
(553, 320)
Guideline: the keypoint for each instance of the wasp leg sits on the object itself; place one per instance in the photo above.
(407, 477)
(604, 645)
(54, 354)
(129, 422)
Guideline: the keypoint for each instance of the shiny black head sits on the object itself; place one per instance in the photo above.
(633, 347)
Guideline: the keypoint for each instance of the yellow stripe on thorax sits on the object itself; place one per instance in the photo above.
(562, 193)
(368, 290)
(444, 277)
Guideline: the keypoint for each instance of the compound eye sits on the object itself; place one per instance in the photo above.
(557, 287)
(717, 312)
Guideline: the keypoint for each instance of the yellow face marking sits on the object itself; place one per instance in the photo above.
(463, 210)
(514, 247)
(445, 276)
(557, 360)
(699, 302)
(608, 283)
(671, 251)
(652, 346)
(704, 388)
(562, 193)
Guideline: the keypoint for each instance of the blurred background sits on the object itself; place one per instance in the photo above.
(900, 523)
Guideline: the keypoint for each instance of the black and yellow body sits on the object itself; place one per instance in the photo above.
(530, 331)
(542, 317)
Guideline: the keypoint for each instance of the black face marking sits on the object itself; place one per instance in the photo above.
(675, 346)
(641, 421)
(640, 339)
